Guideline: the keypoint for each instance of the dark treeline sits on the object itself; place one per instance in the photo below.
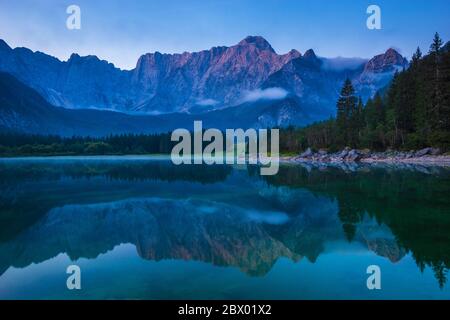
(22, 144)
(414, 112)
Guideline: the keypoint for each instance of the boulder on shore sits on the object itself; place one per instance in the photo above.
(307, 153)
(423, 152)
(435, 151)
(353, 156)
(344, 152)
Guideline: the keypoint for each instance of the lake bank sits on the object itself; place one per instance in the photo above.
(426, 156)
(347, 156)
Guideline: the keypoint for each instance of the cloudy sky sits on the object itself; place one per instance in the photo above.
(120, 31)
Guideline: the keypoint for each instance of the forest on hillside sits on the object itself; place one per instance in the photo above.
(412, 113)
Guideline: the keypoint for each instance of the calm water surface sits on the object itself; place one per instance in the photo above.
(142, 228)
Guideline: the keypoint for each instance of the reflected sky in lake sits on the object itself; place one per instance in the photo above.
(142, 228)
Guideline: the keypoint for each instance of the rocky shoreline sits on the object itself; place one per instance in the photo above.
(431, 156)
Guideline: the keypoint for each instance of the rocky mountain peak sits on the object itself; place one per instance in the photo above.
(74, 57)
(77, 57)
(257, 41)
(4, 45)
(386, 62)
(310, 59)
(293, 54)
(310, 54)
(393, 57)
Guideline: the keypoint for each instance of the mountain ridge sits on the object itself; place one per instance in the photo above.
(166, 83)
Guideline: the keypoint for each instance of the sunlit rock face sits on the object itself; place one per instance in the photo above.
(219, 75)
(201, 81)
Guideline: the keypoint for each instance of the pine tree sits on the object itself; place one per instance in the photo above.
(346, 107)
(436, 45)
(437, 97)
(416, 57)
(360, 113)
(380, 114)
(404, 106)
(357, 124)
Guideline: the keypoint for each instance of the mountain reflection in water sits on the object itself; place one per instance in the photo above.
(221, 215)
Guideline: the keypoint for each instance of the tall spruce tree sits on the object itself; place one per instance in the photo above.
(356, 124)
(346, 108)
(436, 108)
(436, 45)
(416, 57)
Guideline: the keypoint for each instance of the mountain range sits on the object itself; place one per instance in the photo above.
(247, 84)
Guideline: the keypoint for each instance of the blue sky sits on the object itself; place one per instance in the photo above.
(120, 31)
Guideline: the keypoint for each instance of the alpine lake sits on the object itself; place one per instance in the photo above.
(139, 227)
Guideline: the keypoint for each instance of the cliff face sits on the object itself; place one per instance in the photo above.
(215, 76)
(201, 81)
(159, 83)
(389, 61)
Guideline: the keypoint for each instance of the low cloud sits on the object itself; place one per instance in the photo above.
(340, 63)
(264, 94)
(207, 102)
(271, 217)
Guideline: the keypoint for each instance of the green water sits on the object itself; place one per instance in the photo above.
(142, 228)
